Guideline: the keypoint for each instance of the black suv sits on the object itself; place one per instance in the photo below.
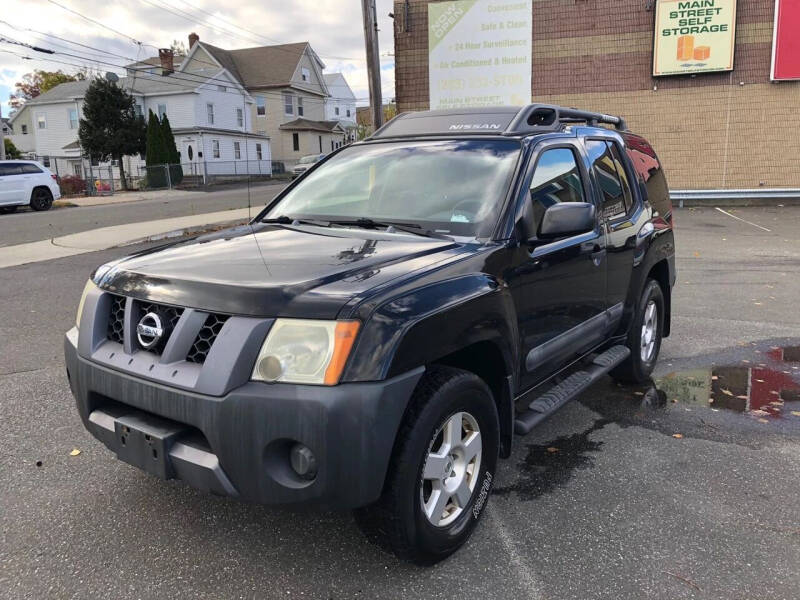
(378, 334)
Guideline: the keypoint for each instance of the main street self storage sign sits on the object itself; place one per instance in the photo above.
(694, 36)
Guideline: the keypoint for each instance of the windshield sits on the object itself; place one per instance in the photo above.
(308, 159)
(453, 187)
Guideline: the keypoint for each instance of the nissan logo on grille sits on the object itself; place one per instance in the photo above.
(150, 330)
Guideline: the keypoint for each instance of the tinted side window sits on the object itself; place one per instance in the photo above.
(29, 168)
(623, 175)
(647, 166)
(605, 172)
(555, 179)
(9, 169)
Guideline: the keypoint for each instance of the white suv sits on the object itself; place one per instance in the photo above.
(26, 182)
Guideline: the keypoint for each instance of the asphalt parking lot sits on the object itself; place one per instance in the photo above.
(633, 492)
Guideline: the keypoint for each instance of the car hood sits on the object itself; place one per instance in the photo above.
(274, 270)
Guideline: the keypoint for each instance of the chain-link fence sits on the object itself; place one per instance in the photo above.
(200, 174)
(78, 177)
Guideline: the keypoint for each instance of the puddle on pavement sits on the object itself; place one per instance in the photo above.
(767, 389)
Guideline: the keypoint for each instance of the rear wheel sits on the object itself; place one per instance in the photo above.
(644, 337)
(41, 199)
(442, 469)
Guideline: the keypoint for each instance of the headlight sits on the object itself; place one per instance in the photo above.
(86, 289)
(305, 351)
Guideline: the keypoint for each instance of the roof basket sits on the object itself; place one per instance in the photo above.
(536, 118)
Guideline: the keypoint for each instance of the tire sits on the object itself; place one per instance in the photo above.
(41, 199)
(7, 210)
(640, 364)
(398, 522)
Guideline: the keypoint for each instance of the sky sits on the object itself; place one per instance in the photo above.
(334, 28)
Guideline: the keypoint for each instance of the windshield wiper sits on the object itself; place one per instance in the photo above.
(284, 220)
(391, 227)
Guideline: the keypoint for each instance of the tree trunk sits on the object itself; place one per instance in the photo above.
(122, 180)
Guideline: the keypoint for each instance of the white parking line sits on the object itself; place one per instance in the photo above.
(725, 212)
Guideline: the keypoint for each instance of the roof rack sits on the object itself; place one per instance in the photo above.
(549, 117)
(498, 120)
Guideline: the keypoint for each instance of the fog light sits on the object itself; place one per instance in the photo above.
(303, 461)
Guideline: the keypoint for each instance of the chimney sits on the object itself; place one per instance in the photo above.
(167, 57)
(193, 38)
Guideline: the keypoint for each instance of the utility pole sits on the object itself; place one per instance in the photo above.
(2, 137)
(373, 61)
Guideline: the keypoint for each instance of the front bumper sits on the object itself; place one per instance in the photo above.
(238, 444)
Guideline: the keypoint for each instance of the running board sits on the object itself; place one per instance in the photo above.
(556, 397)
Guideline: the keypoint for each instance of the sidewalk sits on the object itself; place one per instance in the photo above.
(117, 235)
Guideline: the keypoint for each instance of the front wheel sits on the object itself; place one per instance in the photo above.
(442, 469)
(41, 199)
(644, 337)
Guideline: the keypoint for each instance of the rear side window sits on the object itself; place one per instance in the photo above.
(29, 168)
(9, 169)
(650, 171)
(611, 178)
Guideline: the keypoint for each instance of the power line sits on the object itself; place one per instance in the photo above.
(75, 12)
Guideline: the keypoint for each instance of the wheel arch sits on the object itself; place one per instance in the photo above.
(660, 272)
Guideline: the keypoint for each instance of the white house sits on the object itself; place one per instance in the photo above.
(210, 115)
(340, 105)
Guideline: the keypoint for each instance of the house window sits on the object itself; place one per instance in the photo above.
(305, 74)
(320, 144)
(162, 110)
(215, 148)
(261, 106)
(332, 148)
(222, 88)
(237, 153)
(42, 122)
(77, 170)
(139, 110)
(288, 104)
(210, 112)
(299, 106)
(73, 118)
(240, 117)
(336, 110)
(258, 151)
(348, 112)
(296, 142)
(24, 130)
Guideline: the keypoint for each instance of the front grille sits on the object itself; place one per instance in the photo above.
(205, 338)
(116, 319)
(171, 315)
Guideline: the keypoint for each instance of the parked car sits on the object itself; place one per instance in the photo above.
(26, 182)
(378, 334)
(305, 163)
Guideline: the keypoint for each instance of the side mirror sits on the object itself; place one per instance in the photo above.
(567, 218)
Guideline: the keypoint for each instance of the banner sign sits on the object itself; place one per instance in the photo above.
(479, 53)
(694, 36)
(786, 40)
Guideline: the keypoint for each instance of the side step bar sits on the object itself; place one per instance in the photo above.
(556, 397)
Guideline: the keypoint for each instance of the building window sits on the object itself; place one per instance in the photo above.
(320, 144)
(288, 104)
(237, 152)
(210, 112)
(162, 110)
(222, 88)
(215, 148)
(336, 110)
(305, 74)
(296, 142)
(299, 106)
(348, 112)
(258, 151)
(24, 130)
(73, 118)
(139, 110)
(77, 170)
(261, 106)
(240, 117)
(42, 122)
(332, 148)
(46, 161)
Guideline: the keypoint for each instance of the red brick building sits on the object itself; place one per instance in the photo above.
(726, 130)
